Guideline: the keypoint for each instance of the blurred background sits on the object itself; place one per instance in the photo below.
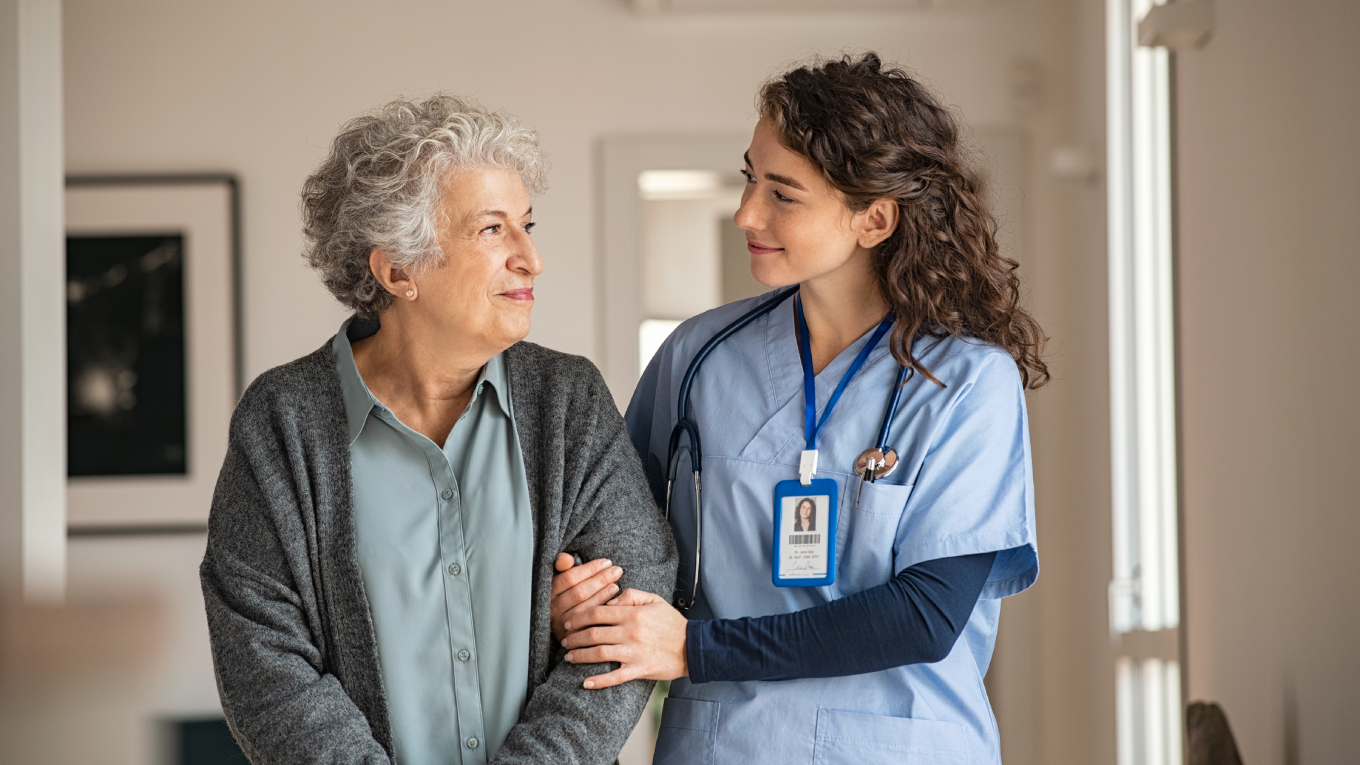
(1178, 183)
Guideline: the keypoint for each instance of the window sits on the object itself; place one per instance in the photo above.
(693, 256)
(1145, 588)
(1149, 706)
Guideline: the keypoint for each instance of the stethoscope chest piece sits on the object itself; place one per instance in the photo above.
(873, 464)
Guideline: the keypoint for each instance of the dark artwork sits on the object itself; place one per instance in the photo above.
(125, 364)
(205, 742)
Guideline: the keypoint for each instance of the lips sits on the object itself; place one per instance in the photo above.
(522, 294)
(760, 249)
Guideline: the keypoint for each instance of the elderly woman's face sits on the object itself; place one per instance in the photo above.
(485, 289)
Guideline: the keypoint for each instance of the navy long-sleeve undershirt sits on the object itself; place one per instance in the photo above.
(913, 619)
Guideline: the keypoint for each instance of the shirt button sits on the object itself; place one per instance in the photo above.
(463, 655)
(472, 743)
(446, 494)
(455, 569)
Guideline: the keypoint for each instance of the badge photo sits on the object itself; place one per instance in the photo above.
(804, 549)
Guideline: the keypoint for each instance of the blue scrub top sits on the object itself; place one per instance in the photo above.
(963, 485)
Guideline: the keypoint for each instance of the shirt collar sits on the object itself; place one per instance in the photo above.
(360, 401)
(494, 374)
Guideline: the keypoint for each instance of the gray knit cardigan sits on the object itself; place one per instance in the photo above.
(292, 635)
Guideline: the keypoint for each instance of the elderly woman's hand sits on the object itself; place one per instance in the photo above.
(579, 587)
(639, 630)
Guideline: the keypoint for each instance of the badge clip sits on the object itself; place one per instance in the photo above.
(807, 466)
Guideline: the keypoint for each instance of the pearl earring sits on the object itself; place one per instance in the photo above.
(410, 293)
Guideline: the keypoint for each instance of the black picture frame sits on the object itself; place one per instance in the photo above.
(201, 211)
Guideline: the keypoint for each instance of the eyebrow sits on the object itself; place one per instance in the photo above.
(784, 179)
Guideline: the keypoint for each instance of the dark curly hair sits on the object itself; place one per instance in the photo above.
(876, 133)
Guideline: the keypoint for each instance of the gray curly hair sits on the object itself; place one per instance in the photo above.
(380, 188)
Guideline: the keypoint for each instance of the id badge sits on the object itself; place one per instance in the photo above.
(805, 533)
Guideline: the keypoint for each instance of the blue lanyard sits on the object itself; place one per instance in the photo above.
(811, 425)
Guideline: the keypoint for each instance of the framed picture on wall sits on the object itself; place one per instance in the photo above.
(153, 347)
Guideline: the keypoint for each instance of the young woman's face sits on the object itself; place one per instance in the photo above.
(797, 226)
(805, 510)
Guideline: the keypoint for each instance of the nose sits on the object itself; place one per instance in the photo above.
(526, 259)
(747, 216)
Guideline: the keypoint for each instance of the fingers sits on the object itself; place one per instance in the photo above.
(588, 590)
(613, 612)
(584, 586)
(632, 597)
(595, 654)
(594, 637)
(595, 615)
(610, 679)
(563, 562)
(647, 641)
(568, 599)
(574, 575)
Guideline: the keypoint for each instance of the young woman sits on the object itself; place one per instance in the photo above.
(806, 517)
(885, 379)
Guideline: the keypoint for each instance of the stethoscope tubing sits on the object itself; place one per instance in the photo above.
(885, 428)
(684, 426)
(682, 405)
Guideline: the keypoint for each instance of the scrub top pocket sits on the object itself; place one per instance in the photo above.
(868, 535)
(855, 738)
(688, 733)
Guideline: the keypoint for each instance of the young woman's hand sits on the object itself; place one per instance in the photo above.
(578, 587)
(638, 629)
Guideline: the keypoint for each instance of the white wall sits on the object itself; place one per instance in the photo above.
(1268, 114)
(32, 305)
(1052, 682)
(259, 88)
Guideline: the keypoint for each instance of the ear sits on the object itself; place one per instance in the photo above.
(876, 223)
(395, 281)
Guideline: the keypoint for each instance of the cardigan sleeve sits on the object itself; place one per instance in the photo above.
(280, 700)
(606, 511)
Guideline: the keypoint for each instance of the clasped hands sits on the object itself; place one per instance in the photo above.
(595, 623)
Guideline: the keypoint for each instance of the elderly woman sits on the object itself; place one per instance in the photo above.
(380, 550)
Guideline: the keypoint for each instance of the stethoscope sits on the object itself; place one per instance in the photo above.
(873, 463)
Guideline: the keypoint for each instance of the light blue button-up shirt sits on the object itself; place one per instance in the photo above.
(445, 545)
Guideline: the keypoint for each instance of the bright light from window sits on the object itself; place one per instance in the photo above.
(651, 334)
(678, 184)
(1149, 727)
(1144, 593)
